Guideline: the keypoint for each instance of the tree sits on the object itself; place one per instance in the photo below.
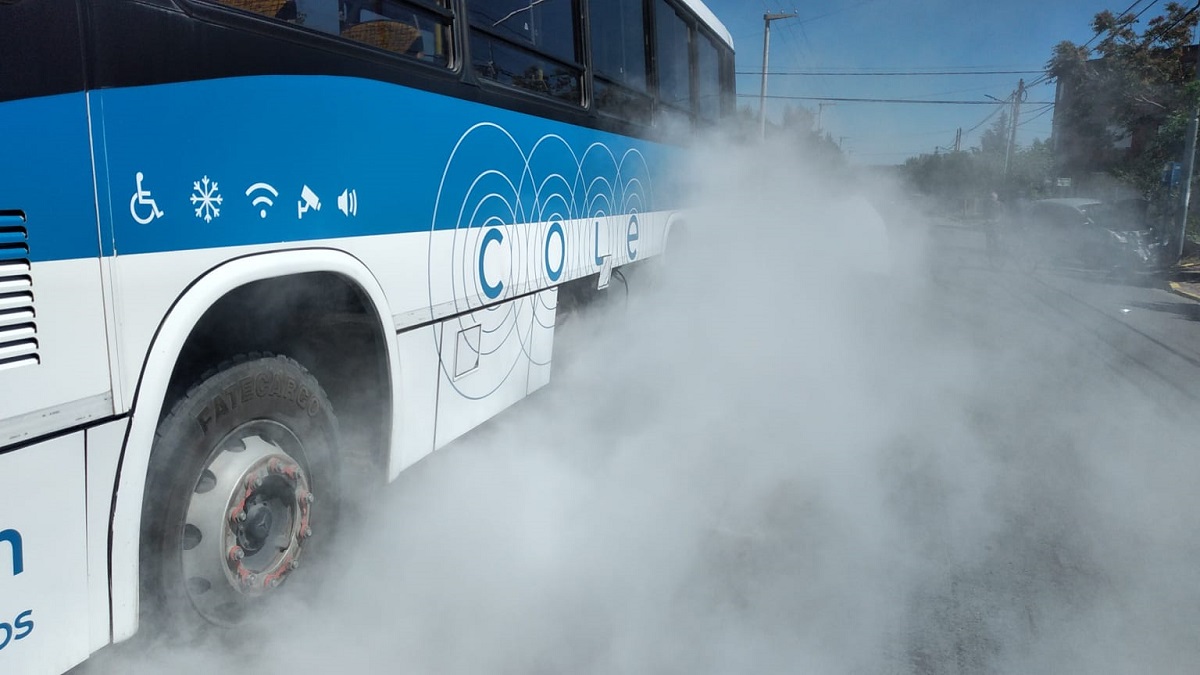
(1137, 90)
(798, 129)
(994, 140)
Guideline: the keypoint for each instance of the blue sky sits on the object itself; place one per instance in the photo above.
(907, 36)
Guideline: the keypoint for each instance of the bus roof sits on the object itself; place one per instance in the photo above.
(705, 14)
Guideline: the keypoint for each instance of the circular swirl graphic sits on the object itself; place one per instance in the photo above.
(508, 223)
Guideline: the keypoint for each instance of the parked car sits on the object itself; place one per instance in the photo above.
(1091, 233)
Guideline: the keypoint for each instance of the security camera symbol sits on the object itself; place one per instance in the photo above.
(308, 200)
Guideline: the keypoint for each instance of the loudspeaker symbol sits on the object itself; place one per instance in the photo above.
(348, 202)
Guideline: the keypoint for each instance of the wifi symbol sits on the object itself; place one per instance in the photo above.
(262, 199)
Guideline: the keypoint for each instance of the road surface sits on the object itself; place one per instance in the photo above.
(956, 470)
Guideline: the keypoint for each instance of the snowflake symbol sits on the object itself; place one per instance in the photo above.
(206, 196)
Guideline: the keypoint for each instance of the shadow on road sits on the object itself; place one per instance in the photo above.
(1184, 308)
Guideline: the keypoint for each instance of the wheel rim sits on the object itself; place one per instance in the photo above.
(246, 522)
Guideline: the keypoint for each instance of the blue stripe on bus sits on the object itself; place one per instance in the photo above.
(47, 175)
(226, 163)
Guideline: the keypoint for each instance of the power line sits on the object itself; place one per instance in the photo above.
(1127, 10)
(1139, 14)
(885, 100)
(1176, 22)
(837, 11)
(984, 121)
(895, 73)
(910, 153)
(1042, 112)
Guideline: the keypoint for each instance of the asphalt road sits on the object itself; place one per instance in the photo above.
(1132, 325)
(1091, 423)
(953, 470)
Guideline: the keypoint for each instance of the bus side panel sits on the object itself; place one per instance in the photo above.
(53, 344)
(43, 557)
(541, 345)
(418, 349)
(484, 365)
(103, 457)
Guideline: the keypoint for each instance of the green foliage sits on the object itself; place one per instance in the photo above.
(958, 178)
(950, 178)
(814, 146)
(1138, 87)
(995, 139)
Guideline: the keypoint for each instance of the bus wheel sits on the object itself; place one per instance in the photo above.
(241, 484)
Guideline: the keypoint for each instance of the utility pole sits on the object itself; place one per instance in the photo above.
(958, 140)
(762, 97)
(1018, 98)
(1189, 161)
(821, 109)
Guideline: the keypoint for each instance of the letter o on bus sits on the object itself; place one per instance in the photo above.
(555, 273)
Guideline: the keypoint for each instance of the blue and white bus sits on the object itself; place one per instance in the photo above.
(259, 255)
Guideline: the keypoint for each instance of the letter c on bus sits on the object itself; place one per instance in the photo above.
(18, 554)
(551, 271)
(489, 290)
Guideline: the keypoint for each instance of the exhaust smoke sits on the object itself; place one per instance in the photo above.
(794, 449)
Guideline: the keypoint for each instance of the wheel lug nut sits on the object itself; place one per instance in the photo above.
(309, 498)
(258, 482)
(295, 564)
(274, 583)
(307, 532)
(236, 553)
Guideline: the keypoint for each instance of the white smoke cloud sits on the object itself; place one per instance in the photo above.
(794, 449)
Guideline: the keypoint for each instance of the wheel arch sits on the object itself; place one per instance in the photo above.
(159, 368)
(676, 226)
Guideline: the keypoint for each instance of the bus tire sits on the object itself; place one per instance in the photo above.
(241, 476)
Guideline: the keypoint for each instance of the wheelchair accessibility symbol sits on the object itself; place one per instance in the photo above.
(142, 200)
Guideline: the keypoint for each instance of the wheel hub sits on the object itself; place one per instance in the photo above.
(246, 525)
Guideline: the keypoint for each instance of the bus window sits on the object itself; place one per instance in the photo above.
(319, 15)
(400, 27)
(414, 29)
(530, 46)
(708, 80)
(619, 59)
(672, 55)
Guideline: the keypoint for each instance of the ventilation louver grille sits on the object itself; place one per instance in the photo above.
(18, 328)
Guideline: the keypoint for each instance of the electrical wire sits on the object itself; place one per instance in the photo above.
(1176, 22)
(898, 73)
(999, 107)
(884, 100)
(1038, 114)
(1127, 10)
(837, 11)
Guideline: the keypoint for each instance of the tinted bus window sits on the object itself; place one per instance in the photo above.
(412, 29)
(619, 42)
(708, 80)
(528, 45)
(617, 101)
(672, 36)
(619, 59)
(401, 27)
